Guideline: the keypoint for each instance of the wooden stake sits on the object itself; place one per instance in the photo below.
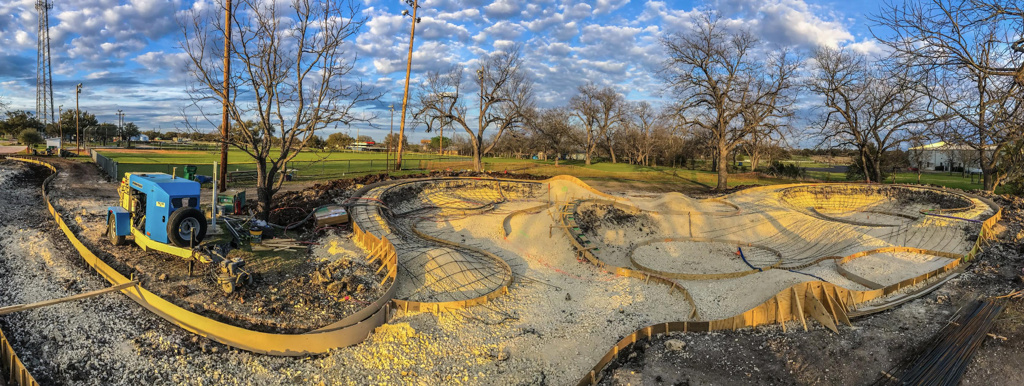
(86, 295)
(797, 309)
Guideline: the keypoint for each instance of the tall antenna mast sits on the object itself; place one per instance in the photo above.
(44, 79)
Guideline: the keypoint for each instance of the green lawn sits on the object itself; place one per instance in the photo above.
(236, 156)
(307, 165)
(941, 179)
(313, 166)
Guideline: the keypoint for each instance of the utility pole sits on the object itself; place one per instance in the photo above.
(120, 126)
(60, 128)
(408, 70)
(392, 107)
(44, 77)
(225, 121)
(78, 129)
(480, 76)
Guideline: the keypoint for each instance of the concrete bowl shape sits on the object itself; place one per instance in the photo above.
(698, 259)
(873, 205)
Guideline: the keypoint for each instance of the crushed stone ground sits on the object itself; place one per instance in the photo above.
(559, 317)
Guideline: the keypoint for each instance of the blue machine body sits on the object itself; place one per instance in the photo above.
(122, 220)
(164, 195)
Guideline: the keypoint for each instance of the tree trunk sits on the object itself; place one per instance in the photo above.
(864, 167)
(988, 180)
(877, 165)
(611, 150)
(988, 172)
(478, 163)
(723, 169)
(264, 195)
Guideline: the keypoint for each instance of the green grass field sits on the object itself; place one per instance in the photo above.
(941, 179)
(235, 156)
(314, 166)
(306, 165)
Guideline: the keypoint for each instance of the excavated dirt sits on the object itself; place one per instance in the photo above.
(337, 191)
(879, 342)
(292, 292)
(693, 257)
(559, 316)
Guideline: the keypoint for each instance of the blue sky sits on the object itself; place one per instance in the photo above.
(126, 52)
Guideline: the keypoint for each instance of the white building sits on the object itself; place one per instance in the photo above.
(941, 156)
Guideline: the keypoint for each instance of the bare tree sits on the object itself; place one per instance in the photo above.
(553, 127)
(945, 33)
(761, 142)
(917, 153)
(971, 65)
(292, 77)
(867, 106)
(600, 111)
(717, 76)
(643, 118)
(505, 94)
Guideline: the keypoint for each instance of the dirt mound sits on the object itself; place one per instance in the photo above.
(293, 206)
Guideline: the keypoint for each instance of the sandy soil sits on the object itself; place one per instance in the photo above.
(11, 149)
(889, 268)
(692, 257)
(560, 316)
(292, 291)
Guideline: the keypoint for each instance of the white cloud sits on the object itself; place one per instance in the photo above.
(605, 6)
(868, 47)
(463, 14)
(503, 9)
(794, 22)
(501, 30)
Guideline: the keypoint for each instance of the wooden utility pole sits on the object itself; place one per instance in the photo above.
(60, 126)
(387, 142)
(78, 131)
(408, 71)
(225, 121)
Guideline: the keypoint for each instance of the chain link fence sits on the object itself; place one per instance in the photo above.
(108, 165)
(297, 170)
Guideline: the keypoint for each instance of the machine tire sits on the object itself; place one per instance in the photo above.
(112, 232)
(180, 220)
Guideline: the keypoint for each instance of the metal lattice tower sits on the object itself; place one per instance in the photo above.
(44, 79)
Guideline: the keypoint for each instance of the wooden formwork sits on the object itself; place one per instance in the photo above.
(828, 304)
(348, 331)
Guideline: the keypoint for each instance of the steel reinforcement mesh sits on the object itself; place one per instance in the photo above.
(837, 201)
(432, 269)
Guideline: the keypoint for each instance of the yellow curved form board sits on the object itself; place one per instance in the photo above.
(801, 299)
(347, 332)
(16, 373)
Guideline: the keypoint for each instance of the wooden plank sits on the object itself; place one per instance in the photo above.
(86, 295)
(818, 311)
(797, 309)
(779, 315)
(838, 310)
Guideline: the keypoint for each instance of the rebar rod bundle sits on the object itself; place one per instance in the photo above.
(944, 361)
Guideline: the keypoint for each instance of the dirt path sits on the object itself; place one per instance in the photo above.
(107, 340)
